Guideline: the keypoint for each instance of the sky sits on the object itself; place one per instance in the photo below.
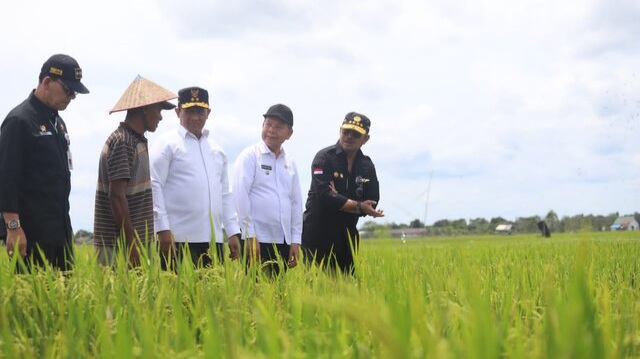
(479, 109)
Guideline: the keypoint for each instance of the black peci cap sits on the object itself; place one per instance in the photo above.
(357, 122)
(65, 68)
(192, 97)
(282, 112)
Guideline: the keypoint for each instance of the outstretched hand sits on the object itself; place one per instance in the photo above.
(369, 209)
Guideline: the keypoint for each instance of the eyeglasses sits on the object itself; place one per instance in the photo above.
(359, 189)
(66, 88)
(352, 133)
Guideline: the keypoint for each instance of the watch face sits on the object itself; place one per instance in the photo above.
(13, 224)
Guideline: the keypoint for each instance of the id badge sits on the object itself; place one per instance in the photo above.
(69, 157)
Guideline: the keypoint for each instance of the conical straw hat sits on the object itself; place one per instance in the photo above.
(142, 92)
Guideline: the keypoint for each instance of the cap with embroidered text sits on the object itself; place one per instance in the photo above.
(65, 68)
(357, 122)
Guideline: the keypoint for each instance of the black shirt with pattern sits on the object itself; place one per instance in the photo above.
(328, 231)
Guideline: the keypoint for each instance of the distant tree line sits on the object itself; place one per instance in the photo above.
(577, 223)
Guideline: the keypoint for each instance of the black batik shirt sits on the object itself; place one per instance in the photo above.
(324, 222)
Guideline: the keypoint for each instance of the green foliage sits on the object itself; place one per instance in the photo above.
(527, 224)
(480, 226)
(374, 229)
(416, 223)
(522, 296)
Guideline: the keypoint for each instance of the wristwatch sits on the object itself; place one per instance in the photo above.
(13, 224)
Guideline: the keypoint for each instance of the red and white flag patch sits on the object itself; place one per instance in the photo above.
(317, 170)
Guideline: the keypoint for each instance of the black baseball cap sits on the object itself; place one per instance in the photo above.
(65, 68)
(193, 96)
(357, 122)
(282, 112)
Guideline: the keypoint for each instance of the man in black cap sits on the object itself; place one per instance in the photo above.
(266, 188)
(35, 167)
(344, 187)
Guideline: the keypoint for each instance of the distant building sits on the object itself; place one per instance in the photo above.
(625, 223)
(504, 228)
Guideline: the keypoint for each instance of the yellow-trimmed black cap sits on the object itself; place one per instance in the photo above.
(65, 68)
(357, 122)
(192, 97)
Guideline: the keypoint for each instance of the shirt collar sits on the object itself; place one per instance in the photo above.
(184, 133)
(264, 149)
(339, 150)
(131, 131)
(41, 107)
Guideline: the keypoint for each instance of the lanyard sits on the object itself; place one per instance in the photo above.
(54, 124)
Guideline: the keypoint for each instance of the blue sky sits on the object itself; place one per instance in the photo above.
(511, 108)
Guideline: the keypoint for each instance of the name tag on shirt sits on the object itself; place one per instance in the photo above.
(70, 159)
(266, 168)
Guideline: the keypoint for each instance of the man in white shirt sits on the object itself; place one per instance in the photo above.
(192, 202)
(266, 189)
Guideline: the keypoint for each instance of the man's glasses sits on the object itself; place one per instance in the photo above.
(352, 133)
(66, 88)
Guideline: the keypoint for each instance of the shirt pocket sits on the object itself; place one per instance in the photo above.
(264, 172)
(44, 148)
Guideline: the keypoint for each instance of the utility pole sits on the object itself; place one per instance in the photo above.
(426, 205)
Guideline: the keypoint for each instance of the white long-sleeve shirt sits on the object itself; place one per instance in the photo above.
(267, 194)
(191, 187)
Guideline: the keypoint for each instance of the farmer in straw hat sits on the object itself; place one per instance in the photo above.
(124, 204)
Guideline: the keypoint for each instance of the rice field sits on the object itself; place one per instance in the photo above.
(523, 296)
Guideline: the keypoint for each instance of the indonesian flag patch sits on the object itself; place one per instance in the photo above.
(317, 170)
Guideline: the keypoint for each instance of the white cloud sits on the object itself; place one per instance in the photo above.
(515, 107)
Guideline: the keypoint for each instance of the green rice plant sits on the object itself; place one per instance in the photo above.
(523, 296)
